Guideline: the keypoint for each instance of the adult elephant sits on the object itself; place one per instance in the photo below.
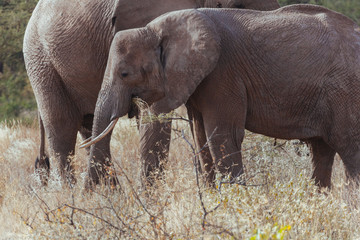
(292, 73)
(66, 47)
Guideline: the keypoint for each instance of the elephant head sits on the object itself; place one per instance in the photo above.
(175, 56)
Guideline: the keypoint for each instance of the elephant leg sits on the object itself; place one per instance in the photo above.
(323, 159)
(352, 166)
(42, 163)
(61, 121)
(154, 148)
(205, 164)
(62, 140)
(101, 168)
(225, 147)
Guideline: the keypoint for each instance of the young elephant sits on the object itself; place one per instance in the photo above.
(292, 73)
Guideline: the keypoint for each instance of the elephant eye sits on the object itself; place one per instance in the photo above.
(113, 20)
(218, 5)
(124, 74)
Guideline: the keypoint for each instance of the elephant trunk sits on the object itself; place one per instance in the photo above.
(112, 103)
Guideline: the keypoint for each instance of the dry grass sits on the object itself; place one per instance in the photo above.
(279, 202)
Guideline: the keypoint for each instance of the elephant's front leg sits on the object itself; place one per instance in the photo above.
(225, 146)
(154, 148)
(101, 169)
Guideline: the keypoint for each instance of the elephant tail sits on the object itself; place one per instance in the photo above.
(42, 161)
(42, 137)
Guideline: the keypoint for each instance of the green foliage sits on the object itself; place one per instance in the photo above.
(276, 232)
(350, 8)
(16, 96)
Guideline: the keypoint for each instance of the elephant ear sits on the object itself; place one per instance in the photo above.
(190, 49)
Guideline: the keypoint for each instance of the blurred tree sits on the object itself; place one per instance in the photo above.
(15, 92)
(350, 8)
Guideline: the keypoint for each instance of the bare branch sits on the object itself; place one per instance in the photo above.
(95, 216)
(199, 191)
(152, 216)
(222, 230)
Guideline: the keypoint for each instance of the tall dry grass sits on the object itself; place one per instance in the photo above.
(279, 200)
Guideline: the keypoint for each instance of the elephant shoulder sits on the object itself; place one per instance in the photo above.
(315, 11)
(308, 9)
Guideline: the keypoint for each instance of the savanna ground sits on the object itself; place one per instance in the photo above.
(279, 201)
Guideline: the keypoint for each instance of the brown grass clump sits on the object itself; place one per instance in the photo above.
(279, 200)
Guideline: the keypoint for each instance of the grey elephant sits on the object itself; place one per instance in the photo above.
(66, 47)
(291, 73)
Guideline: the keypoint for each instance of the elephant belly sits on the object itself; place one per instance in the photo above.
(282, 127)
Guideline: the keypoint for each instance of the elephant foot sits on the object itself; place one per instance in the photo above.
(110, 181)
(102, 176)
(153, 173)
(42, 167)
(70, 179)
(151, 179)
(209, 179)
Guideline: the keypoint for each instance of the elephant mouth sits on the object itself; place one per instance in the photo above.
(149, 97)
(133, 110)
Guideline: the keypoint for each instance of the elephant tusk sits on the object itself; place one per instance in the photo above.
(88, 142)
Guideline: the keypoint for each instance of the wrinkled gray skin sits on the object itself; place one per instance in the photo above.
(66, 48)
(292, 73)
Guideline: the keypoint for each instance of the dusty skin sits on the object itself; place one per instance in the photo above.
(66, 47)
(291, 73)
